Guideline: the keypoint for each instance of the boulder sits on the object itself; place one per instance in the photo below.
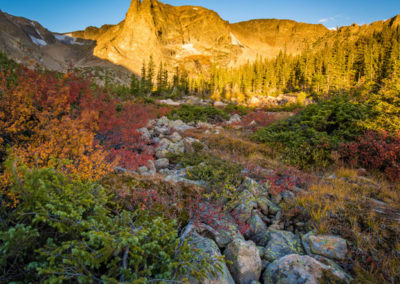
(145, 133)
(175, 137)
(177, 148)
(223, 232)
(164, 144)
(244, 207)
(143, 170)
(161, 154)
(244, 261)
(254, 187)
(257, 230)
(208, 249)
(188, 145)
(161, 130)
(332, 247)
(152, 167)
(300, 269)
(162, 163)
(234, 119)
(220, 104)
(267, 206)
(179, 125)
(281, 243)
(163, 121)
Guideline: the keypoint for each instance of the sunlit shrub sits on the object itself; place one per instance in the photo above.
(377, 151)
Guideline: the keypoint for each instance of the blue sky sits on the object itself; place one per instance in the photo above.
(63, 16)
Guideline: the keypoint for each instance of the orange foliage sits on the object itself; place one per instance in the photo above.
(40, 120)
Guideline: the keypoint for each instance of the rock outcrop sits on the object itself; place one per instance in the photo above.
(244, 261)
(295, 268)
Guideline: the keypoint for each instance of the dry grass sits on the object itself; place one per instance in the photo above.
(236, 146)
(344, 206)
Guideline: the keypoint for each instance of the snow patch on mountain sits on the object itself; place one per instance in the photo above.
(38, 41)
(235, 41)
(67, 39)
(188, 49)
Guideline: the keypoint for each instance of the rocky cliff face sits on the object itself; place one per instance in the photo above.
(194, 36)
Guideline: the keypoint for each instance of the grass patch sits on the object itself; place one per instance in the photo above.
(191, 113)
(347, 206)
(215, 171)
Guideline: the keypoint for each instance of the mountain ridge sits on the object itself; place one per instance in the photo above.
(191, 37)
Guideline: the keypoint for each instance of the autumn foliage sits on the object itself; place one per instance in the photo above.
(63, 121)
(377, 151)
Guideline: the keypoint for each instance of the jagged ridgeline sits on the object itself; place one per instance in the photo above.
(206, 55)
(240, 60)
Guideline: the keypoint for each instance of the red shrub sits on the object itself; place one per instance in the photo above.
(375, 150)
(261, 118)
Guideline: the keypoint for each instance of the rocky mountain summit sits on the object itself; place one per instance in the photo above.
(194, 37)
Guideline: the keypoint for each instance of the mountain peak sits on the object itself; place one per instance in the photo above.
(395, 21)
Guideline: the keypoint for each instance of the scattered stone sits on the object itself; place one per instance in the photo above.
(188, 145)
(254, 187)
(162, 163)
(143, 170)
(242, 212)
(177, 148)
(161, 130)
(234, 119)
(220, 104)
(152, 167)
(169, 102)
(223, 232)
(145, 133)
(163, 121)
(205, 125)
(252, 124)
(208, 248)
(332, 247)
(175, 137)
(164, 144)
(244, 261)
(257, 231)
(161, 154)
(281, 243)
(267, 206)
(287, 196)
(276, 198)
(299, 269)
(119, 170)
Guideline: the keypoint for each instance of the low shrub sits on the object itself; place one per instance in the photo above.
(308, 138)
(261, 118)
(68, 230)
(237, 109)
(190, 113)
(216, 172)
(376, 151)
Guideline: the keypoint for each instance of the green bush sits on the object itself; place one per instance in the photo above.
(205, 167)
(240, 109)
(67, 230)
(189, 113)
(308, 138)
